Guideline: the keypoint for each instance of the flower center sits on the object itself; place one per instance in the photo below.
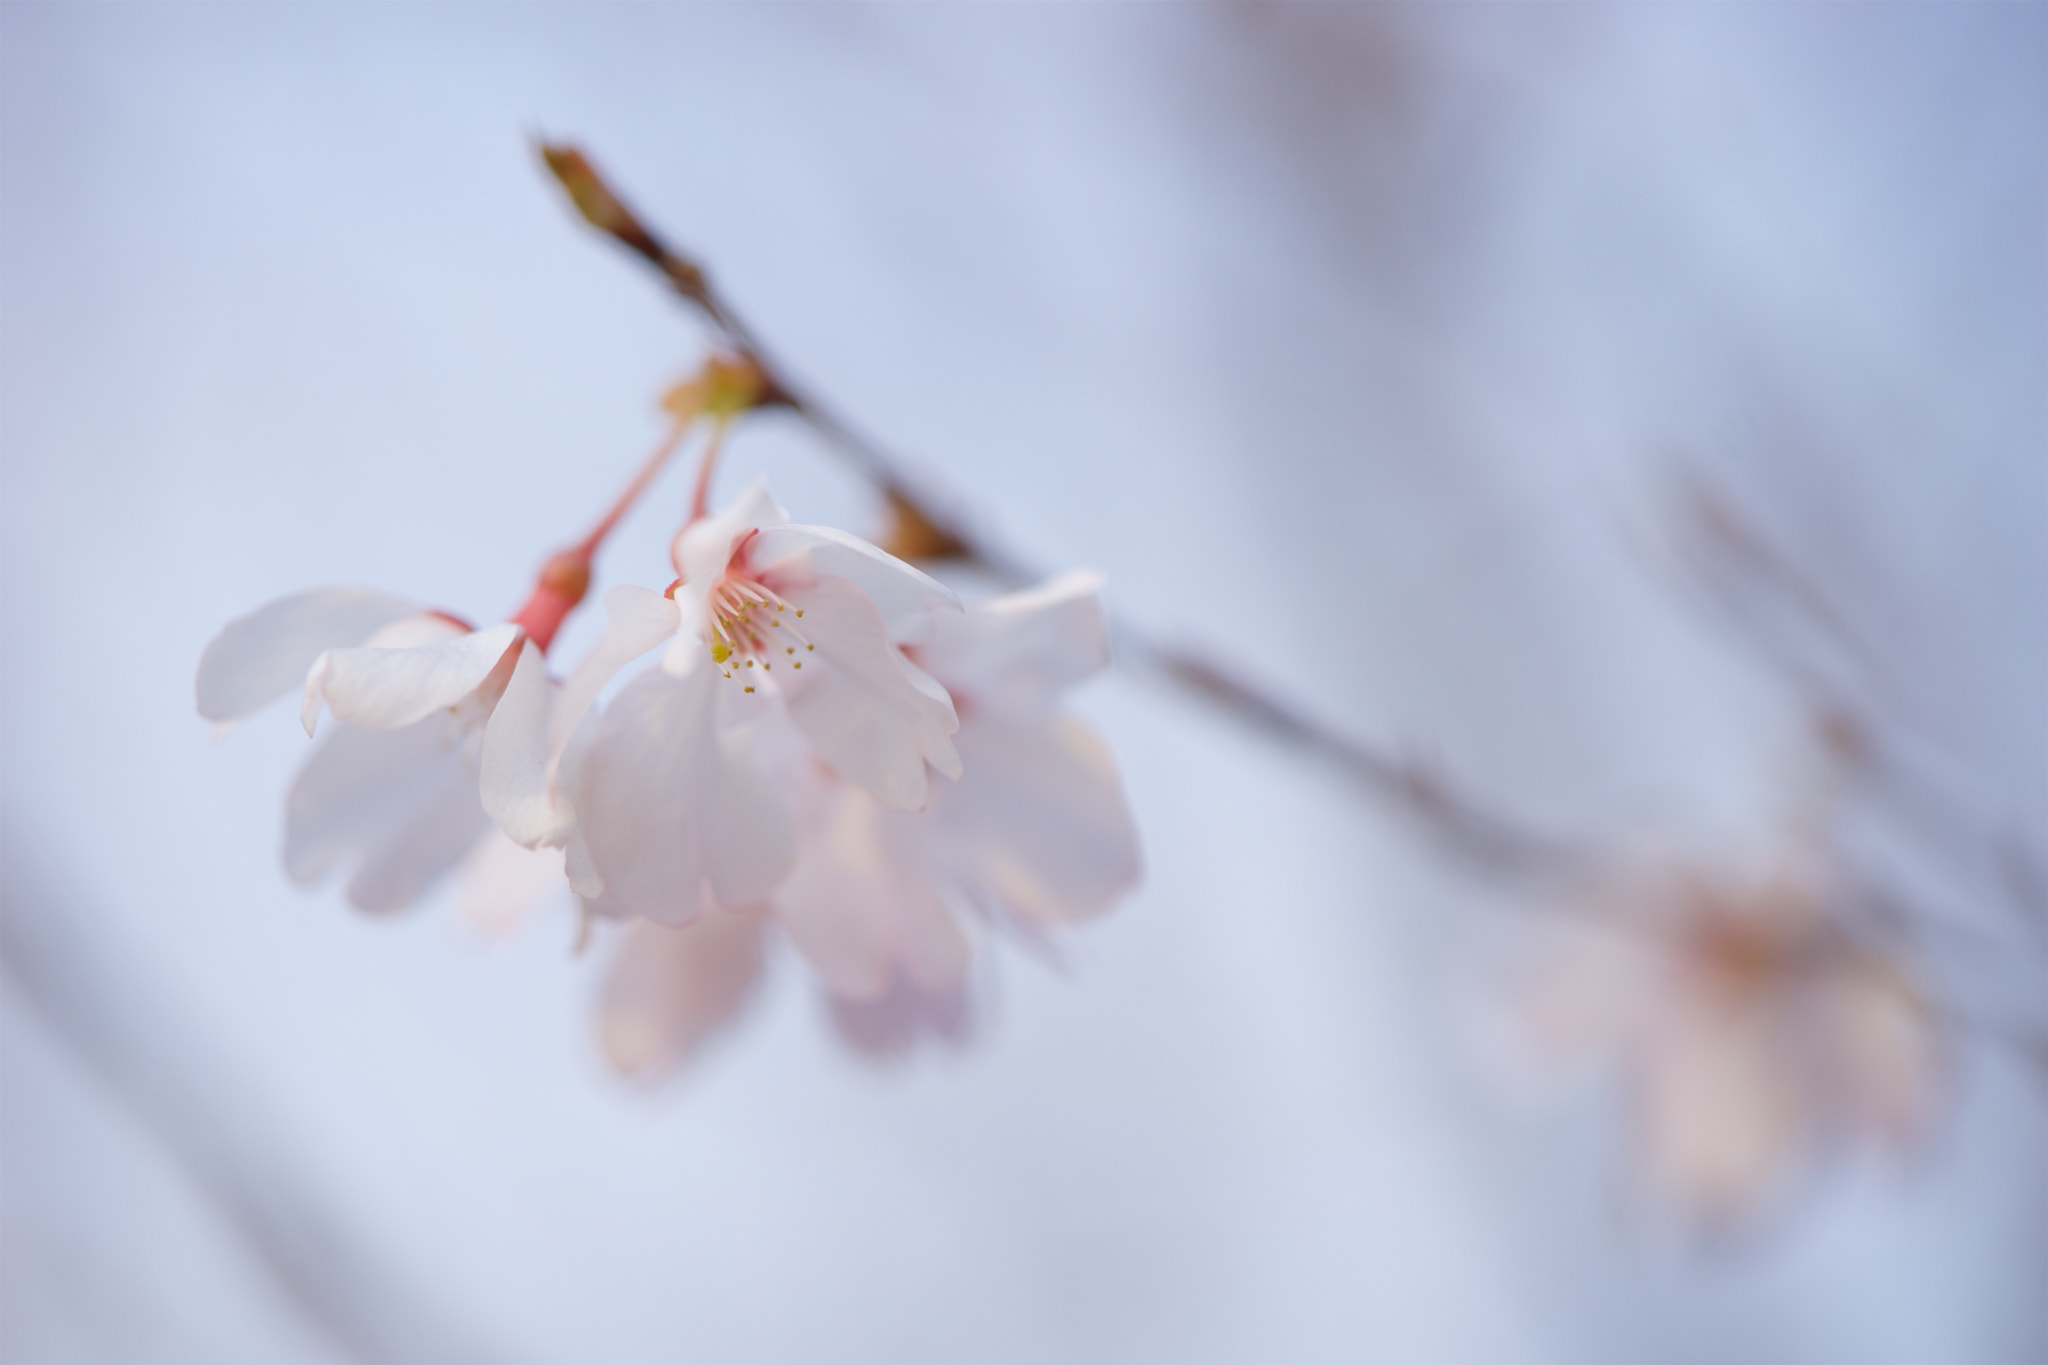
(753, 627)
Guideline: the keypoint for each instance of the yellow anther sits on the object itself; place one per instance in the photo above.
(799, 616)
(798, 665)
(720, 651)
(750, 663)
(809, 647)
(790, 650)
(750, 689)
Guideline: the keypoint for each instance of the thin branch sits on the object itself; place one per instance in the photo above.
(1735, 567)
(1424, 795)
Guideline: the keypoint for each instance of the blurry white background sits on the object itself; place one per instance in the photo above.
(1354, 341)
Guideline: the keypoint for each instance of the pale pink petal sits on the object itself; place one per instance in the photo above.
(383, 689)
(931, 950)
(264, 655)
(395, 875)
(905, 1014)
(1038, 825)
(417, 632)
(1578, 1004)
(576, 865)
(356, 787)
(504, 885)
(1876, 1041)
(1723, 1113)
(902, 595)
(705, 546)
(513, 778)
(934, 743)
(636, 620)
(689, 646)
(859, 907)
(670, 798)
(1016, 653)
(875, 720)
(401, 803)
(670, 989)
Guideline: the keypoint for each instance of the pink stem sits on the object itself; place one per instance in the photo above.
(658, 457)
(565, 578)
(700, 499)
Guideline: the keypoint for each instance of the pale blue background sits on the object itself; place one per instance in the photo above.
(1354, 341)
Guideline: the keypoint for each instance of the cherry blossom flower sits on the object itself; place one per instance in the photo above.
(393, 789)
(675, 798)
(1753, 1031)
(1035, 834)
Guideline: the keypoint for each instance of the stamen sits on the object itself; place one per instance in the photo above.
(738, 636)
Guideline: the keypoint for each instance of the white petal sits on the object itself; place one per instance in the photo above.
(671, 989)
(1017, 653)
(872, 717)
(264, 655)
(705, 547)
(859, 907)
(582, 873)
(403, 802)
(355, 788)
(689, 645)
(513, 778)
(395, 875)
(934, 741)
(1723, 1114)
(387, 688)
(897, 1020)
(417, 632)
(903, 595)
(670, 798)
(636, 620)
(1038, 825)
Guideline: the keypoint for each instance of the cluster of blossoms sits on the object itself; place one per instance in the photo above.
(1751, 1028)
(824, 743)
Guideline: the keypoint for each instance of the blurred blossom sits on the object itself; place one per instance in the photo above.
(502, 886)
(1754, 1031)
(1034, 834)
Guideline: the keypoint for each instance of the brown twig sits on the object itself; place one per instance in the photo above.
(1498, 844)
